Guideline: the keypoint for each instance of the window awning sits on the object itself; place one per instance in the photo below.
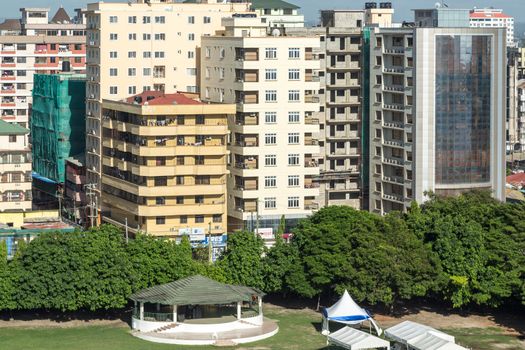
(353, 339)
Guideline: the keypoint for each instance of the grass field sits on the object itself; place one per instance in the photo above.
(298, 330)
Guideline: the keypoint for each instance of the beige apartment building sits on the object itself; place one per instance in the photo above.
(32, 45)
(274, 134)
(140, 46)
(15, 168)
(164, 164)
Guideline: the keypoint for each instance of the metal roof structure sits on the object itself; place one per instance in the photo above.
(353, 339)
(195, 290)
(12, 129)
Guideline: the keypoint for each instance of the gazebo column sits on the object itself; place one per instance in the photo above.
(174, 313)
(141, 311)
(239, 310)
(259, 299)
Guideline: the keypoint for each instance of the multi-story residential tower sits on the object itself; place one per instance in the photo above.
(437, 110)
(278, 13)
(32, 45)
(490, 18)
(164, 164)
(273, 80)
(140, 46)
(15, 168)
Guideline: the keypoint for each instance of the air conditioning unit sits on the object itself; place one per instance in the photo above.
(92, 78)
(94, 168)
(92, 43)
(92, 96)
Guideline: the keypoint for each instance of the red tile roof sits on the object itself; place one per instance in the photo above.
(159, 98)
(516, 179)
(488, 15)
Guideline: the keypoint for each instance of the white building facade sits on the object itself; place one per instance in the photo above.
(490, 18)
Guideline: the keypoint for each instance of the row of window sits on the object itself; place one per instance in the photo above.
(157, 19)
(270, 53)
(271, 138)
(271, 181)
(132, 90)
(146, 36)
(271, 202)
(183, 219)
(271, 159)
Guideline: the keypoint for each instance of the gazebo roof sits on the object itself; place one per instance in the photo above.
(195, 290)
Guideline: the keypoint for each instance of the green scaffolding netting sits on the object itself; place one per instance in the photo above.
(57, 122)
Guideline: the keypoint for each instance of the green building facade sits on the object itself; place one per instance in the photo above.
(58, 122)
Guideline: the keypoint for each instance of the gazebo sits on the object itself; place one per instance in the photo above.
(198, 310)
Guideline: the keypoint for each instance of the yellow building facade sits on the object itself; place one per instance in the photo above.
(164, 160)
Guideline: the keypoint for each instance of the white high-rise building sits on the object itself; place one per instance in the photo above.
(274, 135)
(490, 18)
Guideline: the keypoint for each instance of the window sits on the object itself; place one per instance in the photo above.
(191, 36)
(270, 181)
(293, 74)
(179, 199)
(270, 117)
(179, 180)
(271, 74)
(132, 36)
(294, 53)
(159, 54)
(217, 218)
(270, 139)
(199, 160)
(113, 36)
(132, 54)
(132, 90)
(293, 138)
(270, 203)
(207, 19)
(183, 219)
(191, 54)
(271, 95)
(293, 95)
(293, 202)
(161, 181)
(160, 19)
(222, 73)
(199, 199)
(132, 72)
(146, 19)
(270, 160)
(199, 119)
(199, 219)
(113, 54)
(12, 138)
(180, 160)
(132, 19)
(160, 200)
(191, 19)
(146, 36)
(160, 36)
(293, 180)
(113, 90)
(293, 159)
(293, 117)
(160, 220)
(146, 72)
(270, 53)
(146, 54)
(113, 72)
(113, 19)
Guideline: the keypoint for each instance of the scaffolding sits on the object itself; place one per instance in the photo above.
(57, 122)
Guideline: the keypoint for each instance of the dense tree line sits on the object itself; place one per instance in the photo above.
(466, 250)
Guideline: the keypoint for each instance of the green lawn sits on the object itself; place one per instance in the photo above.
(297, 331)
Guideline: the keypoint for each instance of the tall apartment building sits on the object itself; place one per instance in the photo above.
(140, 46)
(278, 13)
(164, 164)
(35, 44)
(343, 128)
(436, 127)
(15, 168)
(273, 81)
(516, 128)
(490, 18)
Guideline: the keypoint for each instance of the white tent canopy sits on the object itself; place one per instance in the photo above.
(353, 339)
(421, 337)
(348, 312)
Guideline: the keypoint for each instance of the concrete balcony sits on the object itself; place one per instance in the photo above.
(394, 143)
(394, 106)
(394, 179)
(15, 206)
(393, 88)
(393, 160)
(178, 151)
(394, 125)
(394, 51)
(175, 170)
(393, 197)
(394, 70)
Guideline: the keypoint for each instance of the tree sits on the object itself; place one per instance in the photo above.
(6, 280)
(242, 260)
(71, 271)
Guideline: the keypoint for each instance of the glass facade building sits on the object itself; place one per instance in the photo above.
(463, 109)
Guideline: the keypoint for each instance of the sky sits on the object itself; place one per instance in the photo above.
(310, 8)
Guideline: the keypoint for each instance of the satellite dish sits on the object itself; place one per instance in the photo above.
(437, 5)
(276, 32)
